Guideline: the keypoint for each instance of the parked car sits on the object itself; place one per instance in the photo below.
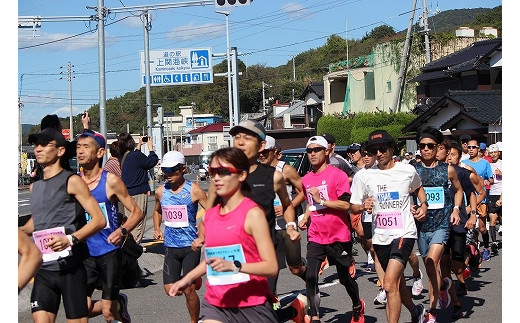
(203, 173)
(297, 158)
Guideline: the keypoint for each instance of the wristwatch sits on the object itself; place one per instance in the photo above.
(124, 231)
(473, 212)
(456, 207)
(322, 202)
(425, 203)
(74, 239)
(238, 266)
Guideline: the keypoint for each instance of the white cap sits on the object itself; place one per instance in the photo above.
(418, 153)
(493, 147)
(499, 144)
(317, 140)
(269, 142)
(172, 158)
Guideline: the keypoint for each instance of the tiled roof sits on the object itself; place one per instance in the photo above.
(313, 87)
(482, 107)
(296, 109)
(214, 127)
(463, 60)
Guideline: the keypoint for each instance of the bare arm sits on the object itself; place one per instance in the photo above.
(455, 214)
(289, 214)
(157, 215)
(30, 259)
(290, 174)
(118, 190)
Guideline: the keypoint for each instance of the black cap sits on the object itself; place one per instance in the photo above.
(51, 121)
(46, 136)
(465, 137)
(379, 137)
(330, 138)
(354, 146)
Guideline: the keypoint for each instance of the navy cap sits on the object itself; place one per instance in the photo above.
(354, 146)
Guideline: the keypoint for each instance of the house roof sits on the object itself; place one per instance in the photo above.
(297, 108)
(214, 127)
(313, 87)
(479, 107)
(466, 59)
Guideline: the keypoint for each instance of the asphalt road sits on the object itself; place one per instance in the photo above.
(150, 304)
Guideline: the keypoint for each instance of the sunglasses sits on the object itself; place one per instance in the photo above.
(429, 145)
(381, 149)
(171, 170)
(223, 171)
(473, 147)
(314, 150)
(265, 152)
(366, 153)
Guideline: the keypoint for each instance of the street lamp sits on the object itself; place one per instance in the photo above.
(230, 99)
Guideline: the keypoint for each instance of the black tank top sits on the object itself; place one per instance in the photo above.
(262, 187)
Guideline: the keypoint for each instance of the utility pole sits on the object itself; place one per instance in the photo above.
(396, 106)
(263, 96)
(426, 32)
(235, 74)
(102, 81)
(69, 78)
(147, 24)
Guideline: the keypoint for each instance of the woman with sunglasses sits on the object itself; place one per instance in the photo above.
(442, 213)
(239, 252)
(176, 204)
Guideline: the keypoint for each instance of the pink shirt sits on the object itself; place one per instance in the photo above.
(327, 225)
(228, 229)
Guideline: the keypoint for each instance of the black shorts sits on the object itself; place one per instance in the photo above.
(337, 253)
(258, 313)
(456, 245)
(106, 268)
(367, 229)
(493, 208)
(177, 260)
(400, 250)
(50, 286)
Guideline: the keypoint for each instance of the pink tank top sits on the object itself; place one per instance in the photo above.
(228, 229)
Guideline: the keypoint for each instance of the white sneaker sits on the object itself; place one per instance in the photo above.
(417, 285)
(380, 298)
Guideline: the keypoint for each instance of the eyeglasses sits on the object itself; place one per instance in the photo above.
(429, 145)
(314, 150)
(50, 144)
(381, 149)
(171, 170)
(464, 142)
(366, 153)
(473, 147)
(223, 171)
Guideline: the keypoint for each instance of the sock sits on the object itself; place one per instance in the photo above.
(370, 260)
(485, 239)
(493, 233)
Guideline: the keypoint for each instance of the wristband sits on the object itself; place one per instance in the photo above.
(290, 223)
(456, 207)
(69, 237)
(322, 202)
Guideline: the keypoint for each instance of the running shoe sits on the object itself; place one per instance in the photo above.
(358, 315)
(430, 318)
(457, 312)
(462, 290)
(499, 231)
(494, 247)
(371, 268)
(123, 308)
(444, 296)
(466, 273)
(380, 298)
(417, 287)
(486, 255)
(420, 317)
(300, 304)
(352, 268)
(324, 265)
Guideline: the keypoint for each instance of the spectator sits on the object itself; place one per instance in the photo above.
(112, 165)
(134, 173)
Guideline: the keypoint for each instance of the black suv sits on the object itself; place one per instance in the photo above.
(297, 158)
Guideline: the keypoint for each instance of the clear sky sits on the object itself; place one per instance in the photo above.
(266, 32)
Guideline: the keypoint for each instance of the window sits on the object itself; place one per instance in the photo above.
(388, 86)
(212, 139)
(370, 91)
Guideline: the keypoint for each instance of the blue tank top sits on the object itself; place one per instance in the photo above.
(180, 237)
(98, 244)
(436, 177)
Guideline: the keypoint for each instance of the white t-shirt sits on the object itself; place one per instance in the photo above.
(365, 217)
(390, 188)
(496, 188)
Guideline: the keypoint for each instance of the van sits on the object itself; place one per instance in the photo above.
(297, 158)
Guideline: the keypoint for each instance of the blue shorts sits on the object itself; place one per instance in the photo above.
(426, 239)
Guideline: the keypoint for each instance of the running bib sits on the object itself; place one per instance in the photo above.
(105, 213)
(389, 223)
(324, 195)
(435, 197)
(229, 253)
(43, 236)
(175, 216)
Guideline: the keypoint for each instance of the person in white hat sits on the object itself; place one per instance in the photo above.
(176, 205)
(495, 195)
